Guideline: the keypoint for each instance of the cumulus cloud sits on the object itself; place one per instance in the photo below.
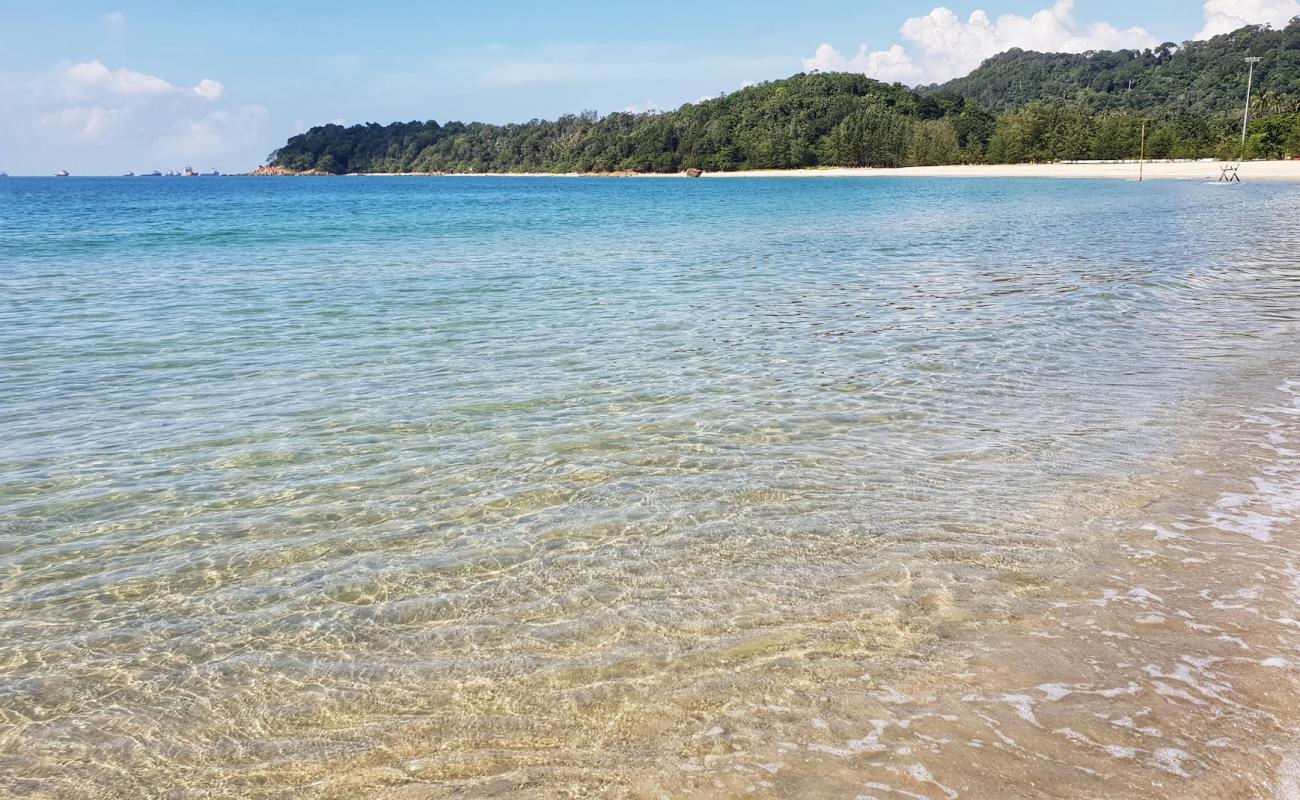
(89, 116)
(1224, 16)
(91, 77)
(88, 123)
(85, 78)
(209, 89)
(894, 64)
(942, 46)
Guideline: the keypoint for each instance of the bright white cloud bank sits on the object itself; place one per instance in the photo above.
(82, 114)
(1222, 16)
(940, 45)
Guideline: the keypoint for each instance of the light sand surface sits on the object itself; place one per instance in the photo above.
(1179, 170)
(1182, 170)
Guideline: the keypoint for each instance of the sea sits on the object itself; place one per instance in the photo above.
(519, 487)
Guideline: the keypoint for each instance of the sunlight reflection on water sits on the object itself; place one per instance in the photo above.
(318, 487)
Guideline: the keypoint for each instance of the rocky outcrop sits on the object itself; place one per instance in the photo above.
(278, 171)
(694, 172)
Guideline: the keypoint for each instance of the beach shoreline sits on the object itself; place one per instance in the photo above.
(1128, 170)
(1124, 170)
(426, 489)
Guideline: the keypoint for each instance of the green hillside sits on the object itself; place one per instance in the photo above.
(1196, 77)
(801, 121)
(1018, 106)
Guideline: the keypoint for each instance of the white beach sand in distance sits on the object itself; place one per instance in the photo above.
(1173, 170)
(1127, 170)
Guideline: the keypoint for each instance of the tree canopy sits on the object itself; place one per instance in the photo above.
(1199, 78)
(1017, 106)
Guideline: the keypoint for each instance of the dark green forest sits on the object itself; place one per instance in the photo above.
(1017, 106)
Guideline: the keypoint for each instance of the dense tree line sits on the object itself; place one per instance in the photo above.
(1059, 132)
(1048, 107)
(801, 121)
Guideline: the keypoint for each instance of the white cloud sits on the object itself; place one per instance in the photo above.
(894, 64)
(89, 117)
(114, 20)
(1225, 16)
(209, 89)
(214, 134)
(648, 107)
(941, 46)
(79, 80)
(89, 123)
(92, 77)
(747, 84)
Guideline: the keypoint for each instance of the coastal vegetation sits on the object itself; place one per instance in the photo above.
(1017, 106)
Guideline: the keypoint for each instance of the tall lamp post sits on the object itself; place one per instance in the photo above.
(1245, 120)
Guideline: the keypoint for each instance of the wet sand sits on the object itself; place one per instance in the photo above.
(1165, 664)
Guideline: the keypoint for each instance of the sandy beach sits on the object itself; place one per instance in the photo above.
(1178, 170)
(1160, 170)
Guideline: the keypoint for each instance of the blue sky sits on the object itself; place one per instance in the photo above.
(103, 87)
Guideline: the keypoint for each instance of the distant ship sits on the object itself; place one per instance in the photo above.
(171, 174)
(154, 174)
(3, 174)
(63, 173)
(213, 173)
(129, 175)
(189, 172)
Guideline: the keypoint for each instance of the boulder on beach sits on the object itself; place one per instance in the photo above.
(694, 172)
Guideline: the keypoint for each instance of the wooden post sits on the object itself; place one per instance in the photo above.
(1142, 151)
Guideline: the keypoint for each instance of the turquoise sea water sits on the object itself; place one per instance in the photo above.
(450, 479)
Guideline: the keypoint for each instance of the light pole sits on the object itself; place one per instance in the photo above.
(1245, 120)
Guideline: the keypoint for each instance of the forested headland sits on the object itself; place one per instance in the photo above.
(1017, 106)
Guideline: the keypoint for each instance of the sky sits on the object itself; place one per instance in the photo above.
(107, 87)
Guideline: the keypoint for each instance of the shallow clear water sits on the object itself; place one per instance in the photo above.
(536, 486)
